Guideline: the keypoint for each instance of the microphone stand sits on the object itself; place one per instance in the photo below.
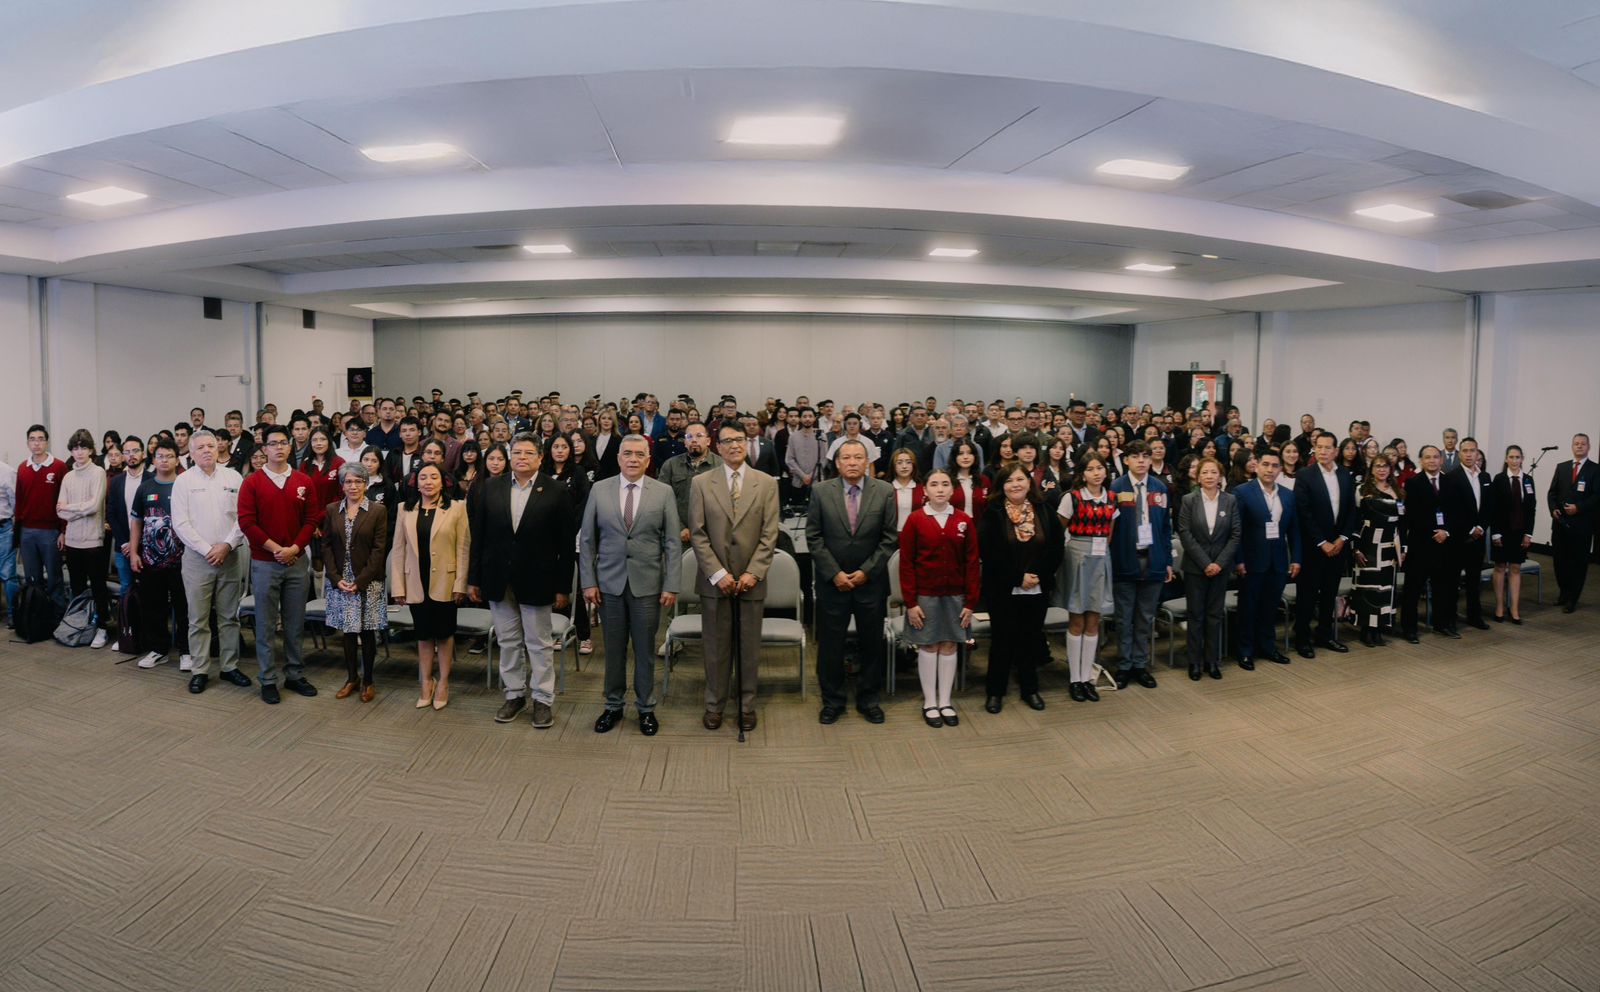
(1540, 457)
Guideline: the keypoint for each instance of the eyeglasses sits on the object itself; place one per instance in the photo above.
(280, 443)
(730, 440)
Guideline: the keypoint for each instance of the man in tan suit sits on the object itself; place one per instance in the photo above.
(733, 528)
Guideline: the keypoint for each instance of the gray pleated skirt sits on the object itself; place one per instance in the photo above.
(941, 621)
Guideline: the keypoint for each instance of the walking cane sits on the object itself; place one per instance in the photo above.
(738, 661)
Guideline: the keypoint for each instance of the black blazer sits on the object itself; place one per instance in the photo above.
(1315, 509)
(1005, 561)
(1461, 512)
(1422, 507)
(117, 509)
(607, 462)
(534, 560)
(1505, 498)
(766, 460)
(1564, 490)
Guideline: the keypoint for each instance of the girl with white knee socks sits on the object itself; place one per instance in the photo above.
(1086, 514)
(939, 583)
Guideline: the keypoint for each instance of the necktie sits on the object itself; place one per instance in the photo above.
(852, 506)
(1435, 480)
(736, 490)
(1575, 466)
(627, 509)
(1138, 490)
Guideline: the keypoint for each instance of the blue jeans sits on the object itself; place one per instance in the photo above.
(280, 589)
(124, 569)
(8, 566)
(41, 557)
(1136, 610)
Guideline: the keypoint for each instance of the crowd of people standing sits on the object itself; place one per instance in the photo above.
(989, 516)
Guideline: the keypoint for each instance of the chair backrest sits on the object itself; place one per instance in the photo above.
(689, 572)
(783, 583)
(896, 598)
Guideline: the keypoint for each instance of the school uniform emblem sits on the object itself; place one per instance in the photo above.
(300, 492)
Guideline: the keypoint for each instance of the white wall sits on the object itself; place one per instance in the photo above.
(1538, 379)
(1213, 342)
(20, 384)
(137, 361)
(298, 364)
(847, 359)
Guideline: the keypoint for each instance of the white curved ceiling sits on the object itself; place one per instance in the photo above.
(966, 123)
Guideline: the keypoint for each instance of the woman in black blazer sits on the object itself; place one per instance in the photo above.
(1020, 542)
(607, 441)
(1513, 504)
(1208, 526)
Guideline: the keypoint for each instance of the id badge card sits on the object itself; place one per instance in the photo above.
(1097, 547)
(1527, 487)
(1582, 485)
(1272, 530)
(1438, 518)
(1146, 535)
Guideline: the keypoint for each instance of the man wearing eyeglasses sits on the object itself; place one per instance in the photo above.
(733, 523)
(680, 470)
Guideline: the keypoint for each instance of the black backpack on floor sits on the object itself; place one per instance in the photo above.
(36, 613)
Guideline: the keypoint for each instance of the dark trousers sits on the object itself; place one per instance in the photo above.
(867, 604)
(628, 618)
(1429, 566)
(1468, 574)
(1258, 612)
(1315, 592)
(86, 569)
(1571, 546)
(161, 605)
(1204, 597)
(1016, 638)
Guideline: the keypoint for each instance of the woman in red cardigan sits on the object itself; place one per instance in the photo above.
(939, 583)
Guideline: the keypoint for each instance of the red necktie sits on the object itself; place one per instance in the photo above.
(1575, 467)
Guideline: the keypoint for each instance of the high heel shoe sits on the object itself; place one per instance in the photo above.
(441, 696)
(1499, 618)
(427, 695)
(1516, 620)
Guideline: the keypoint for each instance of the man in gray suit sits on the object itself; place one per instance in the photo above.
(628, 564)
(852, 527)
(733, 528)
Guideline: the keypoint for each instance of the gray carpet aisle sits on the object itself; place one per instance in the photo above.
(1407, 818)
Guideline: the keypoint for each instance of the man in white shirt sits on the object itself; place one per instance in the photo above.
(205, 513)
(354, 441)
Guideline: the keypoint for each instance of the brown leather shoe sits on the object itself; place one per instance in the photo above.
(367, 692)
(346, 690)
(747, 720)
(712, 721)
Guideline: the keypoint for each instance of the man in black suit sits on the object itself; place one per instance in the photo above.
(1078, 416)
(400, 462)
(1307, 435)
(1450, 457)
(852, 527)
(1466, 513)
(1325, 503)
(524, 539)
(1574, 501)
(761, 454)
(918, 436)
(1429, 550)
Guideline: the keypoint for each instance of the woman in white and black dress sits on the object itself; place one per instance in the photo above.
(1378, 552)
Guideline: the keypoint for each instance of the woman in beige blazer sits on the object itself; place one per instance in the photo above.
(428, 572)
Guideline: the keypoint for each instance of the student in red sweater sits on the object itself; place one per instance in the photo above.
(277, 514)
(939, 583)
(39, 533)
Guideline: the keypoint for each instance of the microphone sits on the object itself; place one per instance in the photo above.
(1548, 447)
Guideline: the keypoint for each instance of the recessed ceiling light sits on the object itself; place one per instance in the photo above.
(547, 249)
(409, 153)
(1210, 256)
(106, 196)
(1140, 169)
(1149, 267)
(1394, 213)
(952, 253)
(785, 131)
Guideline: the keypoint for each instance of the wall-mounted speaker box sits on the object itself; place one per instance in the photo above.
(308, 319)
(213, 307)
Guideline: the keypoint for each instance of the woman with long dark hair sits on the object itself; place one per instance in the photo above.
(1378, 552)
(1020, 543)
(1512, 511)
(1087, 514)
(561, 464)
(428, 572)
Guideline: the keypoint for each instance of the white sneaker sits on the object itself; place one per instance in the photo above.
(186, 663)
(152, 659)
(99, 639)
(586, 647)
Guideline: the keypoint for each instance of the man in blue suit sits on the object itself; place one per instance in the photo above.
(1325, 503)
(1269, 556)
(1141, 561)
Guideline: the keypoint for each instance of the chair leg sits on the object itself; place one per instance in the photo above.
(666, 670)
(802, 666)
